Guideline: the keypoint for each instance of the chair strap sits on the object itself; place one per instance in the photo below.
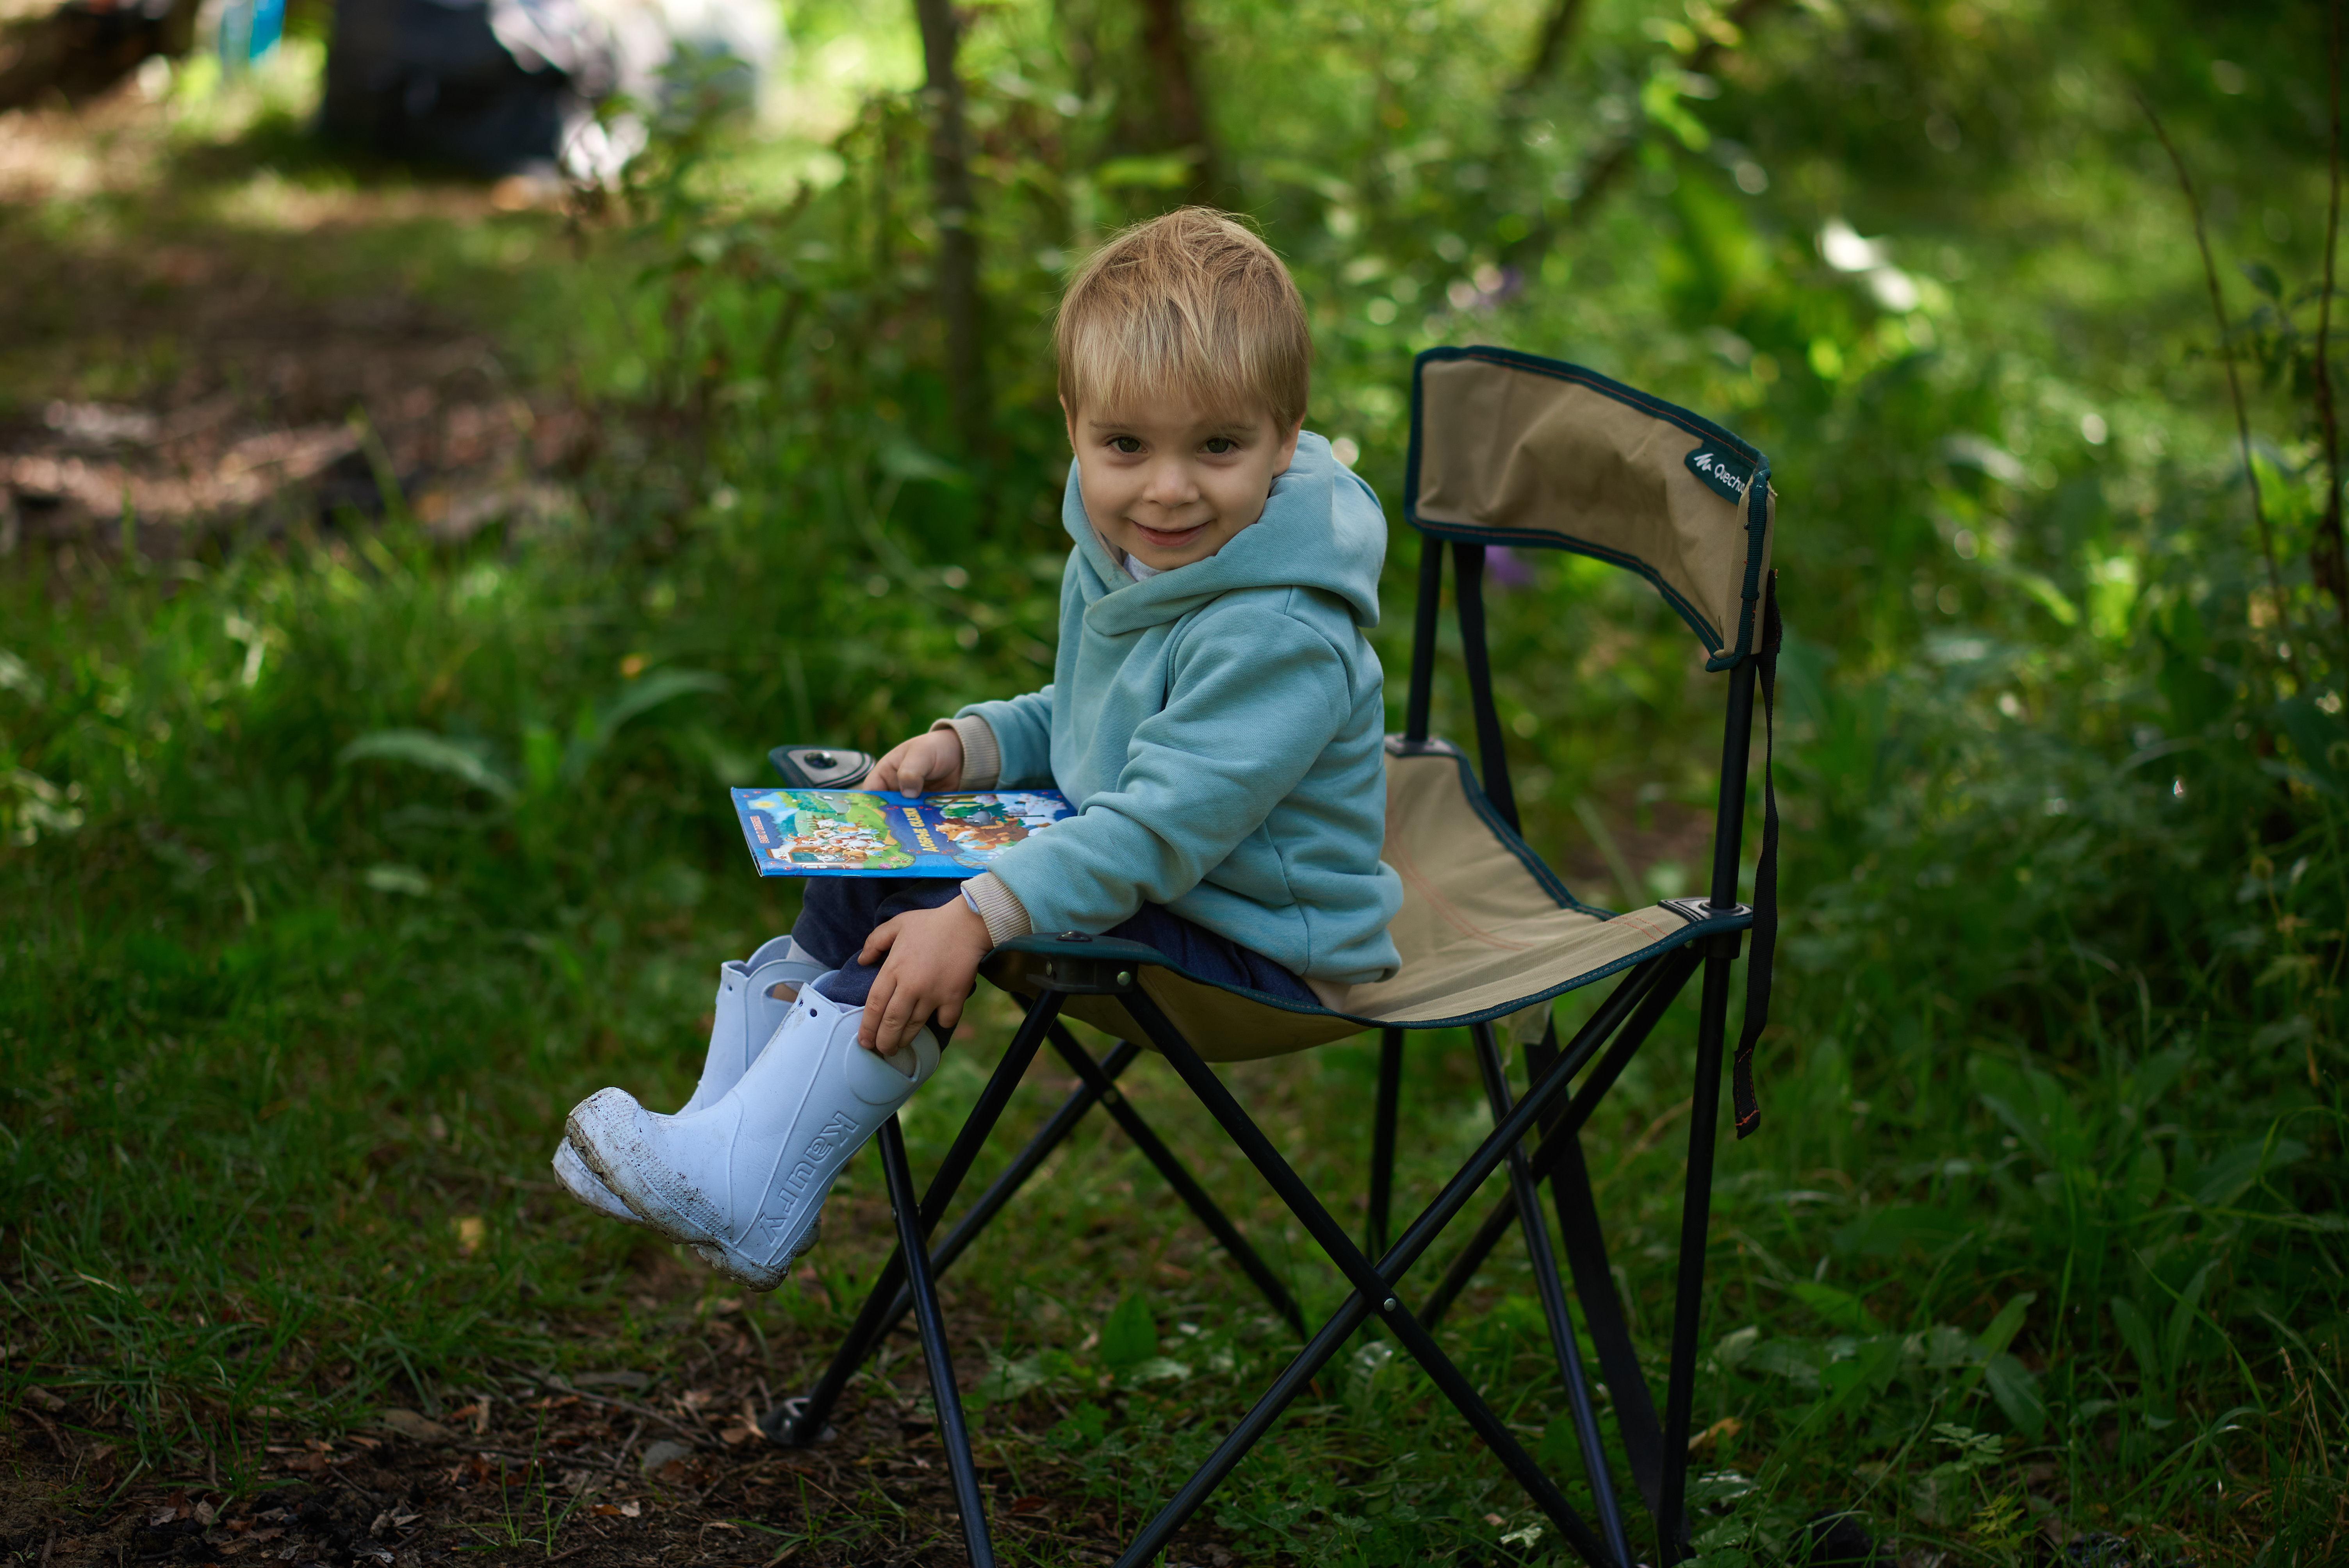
(1765, 872)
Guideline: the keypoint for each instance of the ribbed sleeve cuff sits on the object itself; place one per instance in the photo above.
(982, 759)
(999, 906)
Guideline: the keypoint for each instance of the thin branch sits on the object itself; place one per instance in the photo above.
(1601, 169)
(1183, 117)
(1549, 45)
(2326, 556)
(957, 216)
(2234, 383)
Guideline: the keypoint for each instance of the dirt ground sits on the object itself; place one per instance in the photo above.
(172, 376)
(601, 1467)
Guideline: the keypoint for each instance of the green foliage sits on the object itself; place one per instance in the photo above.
(336, 869)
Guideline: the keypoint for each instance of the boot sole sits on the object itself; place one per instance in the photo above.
(758, 1276)
(604, 1128)
(584, 1184)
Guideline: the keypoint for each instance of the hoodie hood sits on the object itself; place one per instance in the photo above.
(1322, 529)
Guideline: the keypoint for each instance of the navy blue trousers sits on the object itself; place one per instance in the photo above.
(840, 913)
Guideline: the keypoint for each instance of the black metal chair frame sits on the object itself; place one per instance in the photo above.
(1552, 1111)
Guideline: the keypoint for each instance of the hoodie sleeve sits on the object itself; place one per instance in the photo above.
(1023, 739)
(1253, 704)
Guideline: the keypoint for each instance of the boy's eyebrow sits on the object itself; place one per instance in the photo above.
(1230, 429)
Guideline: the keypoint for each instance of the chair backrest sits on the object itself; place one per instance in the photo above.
(1508, 449)
(1512, 449)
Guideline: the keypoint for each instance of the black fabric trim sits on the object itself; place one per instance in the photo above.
(1757, 537)
(1759, 962)
(1503, 830)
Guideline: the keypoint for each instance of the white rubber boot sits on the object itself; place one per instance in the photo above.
(742, 1019)
(744, 1181)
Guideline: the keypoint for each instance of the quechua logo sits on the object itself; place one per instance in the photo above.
(1724, 469)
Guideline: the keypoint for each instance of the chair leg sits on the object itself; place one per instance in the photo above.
(1383, 1140)
(1526, 1194)
(1179, 1178)
(1366, 1280)
(801, 1422)
(1594, 1285)
(915, 1246)
(1351, 1313)
(1004, 1188)
(1696, 1211)
(1643, 1003)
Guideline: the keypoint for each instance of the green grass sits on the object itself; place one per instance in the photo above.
(337, 868)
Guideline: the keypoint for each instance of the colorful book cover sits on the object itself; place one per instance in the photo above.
(861, 833)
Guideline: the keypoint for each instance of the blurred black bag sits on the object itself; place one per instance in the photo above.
(494, 85)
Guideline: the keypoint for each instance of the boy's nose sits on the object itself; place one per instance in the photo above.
(1170, 484)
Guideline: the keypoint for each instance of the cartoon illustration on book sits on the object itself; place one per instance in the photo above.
(855, 833)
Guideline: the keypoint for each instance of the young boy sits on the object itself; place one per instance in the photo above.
(1215, 715)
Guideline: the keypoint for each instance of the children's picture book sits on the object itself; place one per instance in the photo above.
(861, 833)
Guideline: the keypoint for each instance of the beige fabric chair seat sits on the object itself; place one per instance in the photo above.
(1485, 929)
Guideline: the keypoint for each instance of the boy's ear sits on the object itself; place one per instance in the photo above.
(1069, 420)
(1288, 448)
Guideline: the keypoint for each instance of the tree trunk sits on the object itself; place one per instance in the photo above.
(1549, 45)
(1174, 72)
(956, 283)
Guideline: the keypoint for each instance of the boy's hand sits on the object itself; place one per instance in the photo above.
(931, 760)
(933, 963)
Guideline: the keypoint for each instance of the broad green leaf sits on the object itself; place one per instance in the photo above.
(1165, 171)
(2181, 1321)
(2003, 1328)
(16, 675)
(2232, 1173)
(1884, 1232)
(1839, 1307)
(459, 760)
(595, 733)
(2017, 1389)
(1130, 1336)
(2138, 1335)
(1155, 1369)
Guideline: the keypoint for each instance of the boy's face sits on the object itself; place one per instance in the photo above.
(1172, 483)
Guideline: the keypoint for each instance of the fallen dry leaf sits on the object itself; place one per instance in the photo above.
(417, 1428)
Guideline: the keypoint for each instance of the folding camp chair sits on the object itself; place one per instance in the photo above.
(1505, 449)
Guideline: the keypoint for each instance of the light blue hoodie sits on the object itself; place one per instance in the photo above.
(1218, 728)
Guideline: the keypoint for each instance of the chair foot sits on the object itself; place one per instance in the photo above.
(785, 1426)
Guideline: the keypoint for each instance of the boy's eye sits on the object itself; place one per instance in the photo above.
(1129, 445)
(1218, 445)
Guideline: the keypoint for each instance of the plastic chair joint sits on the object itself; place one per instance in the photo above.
(1079, 964)
(1703, 911)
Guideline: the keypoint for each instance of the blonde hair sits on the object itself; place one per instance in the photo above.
(1190, 301)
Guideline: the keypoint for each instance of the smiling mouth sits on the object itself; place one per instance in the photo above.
(1169, 539)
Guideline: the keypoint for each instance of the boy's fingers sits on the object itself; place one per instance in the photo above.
(893, 1019)
(882, 938)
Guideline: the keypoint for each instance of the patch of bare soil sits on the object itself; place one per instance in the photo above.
(169, 380)
(601, 1469)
